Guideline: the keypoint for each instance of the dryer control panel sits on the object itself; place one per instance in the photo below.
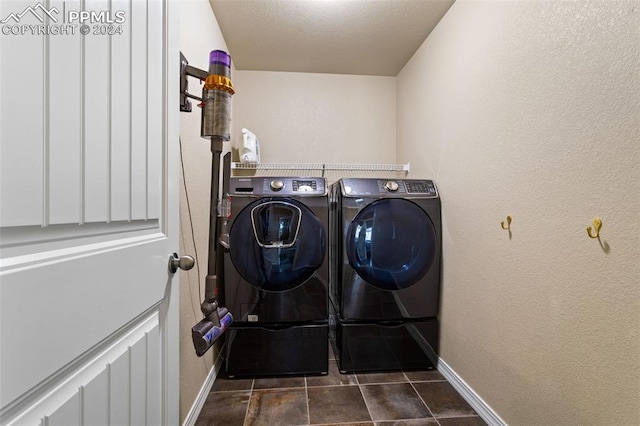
(279, 186)
(420, 187)
(405, 188)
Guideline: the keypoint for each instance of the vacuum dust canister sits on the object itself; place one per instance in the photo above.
(216, 98)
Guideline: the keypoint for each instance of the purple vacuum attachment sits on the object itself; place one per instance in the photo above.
(220, 63)
(205, 333)
(216, 332)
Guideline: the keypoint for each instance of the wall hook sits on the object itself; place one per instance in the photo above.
(597, 224)
(508, 227)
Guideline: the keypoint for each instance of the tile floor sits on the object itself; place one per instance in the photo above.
(380, 399)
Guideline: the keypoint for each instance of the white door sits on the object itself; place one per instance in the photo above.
(88, 212)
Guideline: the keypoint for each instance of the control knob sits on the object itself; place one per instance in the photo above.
(277, 185)
(391, 186)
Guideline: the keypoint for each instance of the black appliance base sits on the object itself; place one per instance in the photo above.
(273, 350)
(369, 347)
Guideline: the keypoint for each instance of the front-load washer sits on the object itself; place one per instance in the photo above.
(276, 276)
(386, 260)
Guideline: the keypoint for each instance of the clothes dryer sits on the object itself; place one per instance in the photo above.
(276, 276)
(386, 260)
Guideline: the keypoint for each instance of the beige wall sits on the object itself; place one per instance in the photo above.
(327, 118)
(532, 109)
(199, 34)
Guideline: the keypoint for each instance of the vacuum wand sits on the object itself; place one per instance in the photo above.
(214, 125)
(216, 319)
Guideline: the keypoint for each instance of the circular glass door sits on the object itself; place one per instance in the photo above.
(391, 243)
(276, 244)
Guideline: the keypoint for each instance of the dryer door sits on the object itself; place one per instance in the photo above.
(391, 244)
(276, 244)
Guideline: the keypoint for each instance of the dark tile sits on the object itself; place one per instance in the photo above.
(390, 377)
(235, 408)
(394, 402)
(277, 407)
(349, 424)
(336, 404)
(224, 383)
(462, 421)
(334, 378)
(279, 382)
(415, 422)
(424, 376)
(442, 399)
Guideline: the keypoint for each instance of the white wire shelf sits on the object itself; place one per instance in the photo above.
(331, 171)
(322, 166)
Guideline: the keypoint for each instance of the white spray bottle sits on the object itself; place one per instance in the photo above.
(250, 147)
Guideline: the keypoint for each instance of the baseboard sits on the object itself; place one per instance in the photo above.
(482, 408)
(194, 412)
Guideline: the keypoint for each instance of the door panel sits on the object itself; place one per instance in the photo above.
(62, 134)
(390, 261)
(67, 414)
(276, 245)
(96, 124)
(79, 156)
(22, 118)
(95, 405)
(105, 388)
(391, 244)
(120, 112)
(88, 314)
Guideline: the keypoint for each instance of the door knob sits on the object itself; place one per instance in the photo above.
(182, 262)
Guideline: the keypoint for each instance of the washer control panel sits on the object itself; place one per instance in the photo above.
(277, 186)
(420, 187)
(390, 187)
(304, 185)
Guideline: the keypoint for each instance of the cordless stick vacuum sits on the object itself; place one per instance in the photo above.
(215, 126)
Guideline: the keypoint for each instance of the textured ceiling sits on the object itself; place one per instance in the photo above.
(366, 37)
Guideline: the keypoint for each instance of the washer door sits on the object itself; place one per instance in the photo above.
(276, 244)
(391, 243)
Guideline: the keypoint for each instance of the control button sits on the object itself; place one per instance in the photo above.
(391, 186)
(277, 185)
